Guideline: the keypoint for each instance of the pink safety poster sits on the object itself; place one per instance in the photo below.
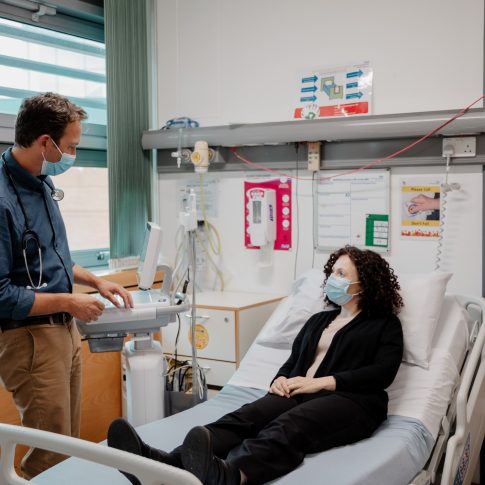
(282, 189)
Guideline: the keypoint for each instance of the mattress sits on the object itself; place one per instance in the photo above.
(373, 460)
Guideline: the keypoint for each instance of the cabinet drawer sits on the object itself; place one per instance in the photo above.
(216, 335)
(217, 373)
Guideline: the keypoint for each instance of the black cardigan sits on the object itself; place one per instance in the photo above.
(364, 357)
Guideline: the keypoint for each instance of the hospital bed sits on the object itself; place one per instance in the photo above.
(433, 433)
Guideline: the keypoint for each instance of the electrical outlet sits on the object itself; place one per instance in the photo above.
(463, 146)
(314, 156)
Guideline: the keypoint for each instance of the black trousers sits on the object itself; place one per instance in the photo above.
(270, 437)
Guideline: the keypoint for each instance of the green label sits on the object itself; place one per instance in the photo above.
(377, 230)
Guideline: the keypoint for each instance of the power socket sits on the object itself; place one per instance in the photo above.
(463, 146)
(313, 156)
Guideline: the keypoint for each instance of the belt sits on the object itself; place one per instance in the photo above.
(53, 319)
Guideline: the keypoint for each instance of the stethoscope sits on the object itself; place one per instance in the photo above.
(29, 234)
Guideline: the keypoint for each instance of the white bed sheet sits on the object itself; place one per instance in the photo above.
(398, 440)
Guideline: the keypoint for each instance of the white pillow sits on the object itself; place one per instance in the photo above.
(423, 296)
(305, 299)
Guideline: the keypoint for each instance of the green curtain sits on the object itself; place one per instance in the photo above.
(129, 167)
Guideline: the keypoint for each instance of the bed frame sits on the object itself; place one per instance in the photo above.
(456, 453)
(453, 460)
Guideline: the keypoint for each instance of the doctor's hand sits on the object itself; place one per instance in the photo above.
(309, 385)
(109, 290)
(280, 387)
(85, 307)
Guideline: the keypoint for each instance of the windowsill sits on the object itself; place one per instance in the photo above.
(126, 278)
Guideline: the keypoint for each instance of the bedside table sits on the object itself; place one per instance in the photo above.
(227, 323)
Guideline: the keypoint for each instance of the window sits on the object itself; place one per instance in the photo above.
(35, 60)
(86, 213)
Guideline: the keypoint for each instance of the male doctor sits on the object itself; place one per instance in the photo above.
(40, 352)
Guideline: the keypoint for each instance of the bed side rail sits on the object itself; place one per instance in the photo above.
(463, 449)
(148, 471)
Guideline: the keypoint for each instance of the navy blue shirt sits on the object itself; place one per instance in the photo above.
(44, 217)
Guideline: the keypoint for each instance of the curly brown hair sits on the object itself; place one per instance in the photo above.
(380, 288)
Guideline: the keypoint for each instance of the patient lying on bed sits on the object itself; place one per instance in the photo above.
(329, 393)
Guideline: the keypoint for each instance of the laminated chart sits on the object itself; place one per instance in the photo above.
(352, 209)
(420, 208)
(339, 91)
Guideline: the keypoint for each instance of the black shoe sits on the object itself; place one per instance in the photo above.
(198, 458)
(122, 435)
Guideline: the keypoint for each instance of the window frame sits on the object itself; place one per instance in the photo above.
(84, 19)
(74, 17)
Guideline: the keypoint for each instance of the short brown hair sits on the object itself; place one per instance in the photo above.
(45, 114)
(380, 288)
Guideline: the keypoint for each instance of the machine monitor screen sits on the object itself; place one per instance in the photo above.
(149, 255)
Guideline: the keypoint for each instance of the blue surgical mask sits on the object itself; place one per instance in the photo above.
(56, 168)
(336, 290)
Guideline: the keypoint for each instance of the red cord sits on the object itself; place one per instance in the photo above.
(369, 165)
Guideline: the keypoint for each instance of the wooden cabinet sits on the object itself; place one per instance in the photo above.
(226, 325)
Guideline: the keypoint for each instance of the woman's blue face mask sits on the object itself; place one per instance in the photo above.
(336, 290)
(56, 168)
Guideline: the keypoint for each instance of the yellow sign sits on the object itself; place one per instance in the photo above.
(421, 207)
(420, 223)
(201, 337)
(421, 188)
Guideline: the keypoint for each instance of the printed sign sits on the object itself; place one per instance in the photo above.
(420, 208)
(342, 91)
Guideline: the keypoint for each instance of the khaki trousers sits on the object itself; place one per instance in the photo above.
(41, 366)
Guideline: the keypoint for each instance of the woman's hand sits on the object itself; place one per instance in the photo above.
(310, 385)
(280, 387)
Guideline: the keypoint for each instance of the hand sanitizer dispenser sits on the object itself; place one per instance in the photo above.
(262, 216)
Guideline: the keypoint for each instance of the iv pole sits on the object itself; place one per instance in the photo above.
(195, 376)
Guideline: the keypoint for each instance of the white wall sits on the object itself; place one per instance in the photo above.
(237, 61)
(230, 61)
(461, 253)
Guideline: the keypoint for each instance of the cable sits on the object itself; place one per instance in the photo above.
(297, 148)
(209, 257)
(206, 222)
(177, 339)
(448, 152)
(315, 222)
(369, 165)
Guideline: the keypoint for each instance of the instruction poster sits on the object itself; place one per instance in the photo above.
(282, 190)
(420, 208)
(342, 91)
(353, 209)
